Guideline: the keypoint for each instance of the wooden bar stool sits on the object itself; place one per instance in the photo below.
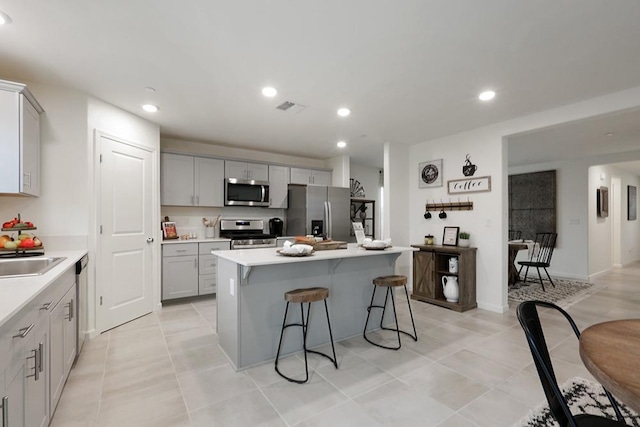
(301, 296)
(390, 282)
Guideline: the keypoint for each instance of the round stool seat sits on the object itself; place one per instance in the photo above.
(306, 295)
(390, 281)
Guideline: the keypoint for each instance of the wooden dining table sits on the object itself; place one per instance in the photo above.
(611, 352)
(514, 248)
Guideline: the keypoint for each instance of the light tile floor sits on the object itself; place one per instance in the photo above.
(469, 369)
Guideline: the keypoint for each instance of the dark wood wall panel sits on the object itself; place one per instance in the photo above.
(532, 203)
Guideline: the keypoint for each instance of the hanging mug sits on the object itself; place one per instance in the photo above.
(442, 214)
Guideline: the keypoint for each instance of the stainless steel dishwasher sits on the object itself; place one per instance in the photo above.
(81, 307)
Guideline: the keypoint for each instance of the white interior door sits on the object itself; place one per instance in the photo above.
(125, 279)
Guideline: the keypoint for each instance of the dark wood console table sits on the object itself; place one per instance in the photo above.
(431, 263)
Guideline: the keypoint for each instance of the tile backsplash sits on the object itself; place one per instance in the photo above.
(189, 219)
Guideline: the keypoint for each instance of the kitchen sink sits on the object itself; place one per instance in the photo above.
(22, 267)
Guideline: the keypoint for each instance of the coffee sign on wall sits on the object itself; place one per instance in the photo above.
(469, 185)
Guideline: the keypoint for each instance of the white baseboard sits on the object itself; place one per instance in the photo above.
(494, 308)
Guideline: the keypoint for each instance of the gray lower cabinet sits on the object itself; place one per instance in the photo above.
(207, 280)
(189, 269)
(179, 270)
(28, 346)
(63, 343)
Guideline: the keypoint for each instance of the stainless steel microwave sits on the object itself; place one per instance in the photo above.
(245, 192)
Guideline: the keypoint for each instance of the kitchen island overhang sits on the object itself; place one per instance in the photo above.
(250, 298)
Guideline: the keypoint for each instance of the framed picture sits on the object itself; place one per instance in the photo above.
(632, 203)
(430, 174)
(602, 202)
(469, 185)
(450, 236)
(169, 230)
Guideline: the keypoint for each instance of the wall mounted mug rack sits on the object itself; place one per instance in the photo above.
(450, 206)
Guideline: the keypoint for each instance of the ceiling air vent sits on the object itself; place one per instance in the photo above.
(291, 106)
(285, 105)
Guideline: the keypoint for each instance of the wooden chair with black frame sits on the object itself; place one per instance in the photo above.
(540, 256)
(527, 313)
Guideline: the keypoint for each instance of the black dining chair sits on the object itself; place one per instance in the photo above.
(527, 313)
(540, 256)
(515, 234)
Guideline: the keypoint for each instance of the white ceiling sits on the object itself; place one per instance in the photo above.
(606, 134)
(410, 70)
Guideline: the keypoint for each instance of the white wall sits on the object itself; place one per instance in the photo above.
(64, 212)
(172, 145)
(488, 221)
(341, 170)
(61, 213)
(570, 257)
(109, 120)
(601, 230)
(369, 178)
(394, 204)
(484, 222)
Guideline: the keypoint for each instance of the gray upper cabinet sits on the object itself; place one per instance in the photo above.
(278, 182)
(20, 136)
(191, 181)
(310, 176)
(246, 170)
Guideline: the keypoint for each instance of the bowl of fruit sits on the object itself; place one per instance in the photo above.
(23, 241)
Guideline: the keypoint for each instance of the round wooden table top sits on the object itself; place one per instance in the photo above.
(611, 352)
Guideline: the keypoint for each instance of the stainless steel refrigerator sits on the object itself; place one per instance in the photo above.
(319, 210)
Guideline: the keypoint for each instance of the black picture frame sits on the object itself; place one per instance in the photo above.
(632, 203)
(603, 202)
(450, 236)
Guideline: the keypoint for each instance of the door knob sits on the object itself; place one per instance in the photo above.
(149, 239)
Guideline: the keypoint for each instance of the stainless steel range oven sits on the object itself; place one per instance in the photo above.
(246, 234)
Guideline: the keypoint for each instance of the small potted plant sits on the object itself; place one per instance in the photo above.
(463, 239)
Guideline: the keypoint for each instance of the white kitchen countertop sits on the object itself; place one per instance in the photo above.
(174, 241)
(269, 256)
(17, 292)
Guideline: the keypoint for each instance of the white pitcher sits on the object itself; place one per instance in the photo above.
(450, 288)
(453, 265)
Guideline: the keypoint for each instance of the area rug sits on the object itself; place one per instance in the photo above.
(565, 293)
(583, 397)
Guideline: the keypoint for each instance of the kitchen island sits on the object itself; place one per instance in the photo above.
(250, 298)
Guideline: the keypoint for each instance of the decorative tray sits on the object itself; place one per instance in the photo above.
(35, 248)
(375, 248)
(294, 255)
(19, 228)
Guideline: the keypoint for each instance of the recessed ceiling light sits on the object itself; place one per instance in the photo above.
(344, 112)
(487, 95)
(4, 18)
(608, 134)
(150, 108)
(341, 144)
(269, 91)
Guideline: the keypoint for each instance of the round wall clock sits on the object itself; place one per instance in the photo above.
(430, 173)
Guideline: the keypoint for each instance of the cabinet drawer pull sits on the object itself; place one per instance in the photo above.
(24, 331)
(36, 372)
(69, 317)
(5, 411)
(40, 352)
(181, 250)
(46, 306)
